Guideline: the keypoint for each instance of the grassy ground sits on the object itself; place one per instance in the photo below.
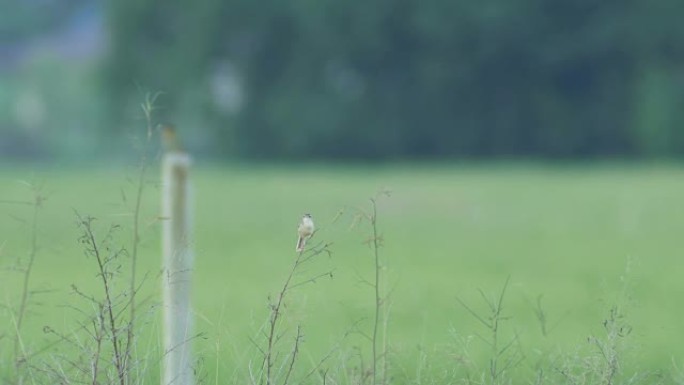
(585, 238)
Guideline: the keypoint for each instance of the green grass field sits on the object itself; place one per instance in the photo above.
(585, 237)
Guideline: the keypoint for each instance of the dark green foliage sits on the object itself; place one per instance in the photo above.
(407, 78)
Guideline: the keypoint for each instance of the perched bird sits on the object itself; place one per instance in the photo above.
(305, 231)
(169, 138)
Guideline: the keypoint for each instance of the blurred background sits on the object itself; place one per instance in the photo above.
(345, 80)
(415, 86)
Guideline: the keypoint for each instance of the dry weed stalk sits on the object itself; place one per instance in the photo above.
(274, 366)
(379, 336)
(504, 355)
(108, 325)
(148, 107)
(21, 354)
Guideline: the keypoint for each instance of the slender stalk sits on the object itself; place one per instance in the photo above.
(148, 108)
(378, 292)
(21, 312)
(275, 316)
(134, 255)
(295, 351)
(119, 360)
(272, 336)
(99, 331)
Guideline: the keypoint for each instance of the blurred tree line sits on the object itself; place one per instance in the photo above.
(407, 78)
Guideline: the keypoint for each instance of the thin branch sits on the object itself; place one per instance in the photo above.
(15, 202)
(295, 351)
(313, 279)
(25, 292)
(89, 238)
(474, 314)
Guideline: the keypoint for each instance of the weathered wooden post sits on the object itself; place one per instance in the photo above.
(176, 268)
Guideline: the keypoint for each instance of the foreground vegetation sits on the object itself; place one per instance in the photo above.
(493, 274)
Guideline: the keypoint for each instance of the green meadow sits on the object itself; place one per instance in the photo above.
(573, 242)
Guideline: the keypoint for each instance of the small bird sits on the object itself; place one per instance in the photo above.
(305, 231)
(169, 138)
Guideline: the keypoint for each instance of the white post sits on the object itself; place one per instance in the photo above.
(176, 269)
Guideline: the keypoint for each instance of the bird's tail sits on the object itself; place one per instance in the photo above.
(301, 241)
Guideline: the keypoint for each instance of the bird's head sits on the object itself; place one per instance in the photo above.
(166, 129)
(168, 136)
